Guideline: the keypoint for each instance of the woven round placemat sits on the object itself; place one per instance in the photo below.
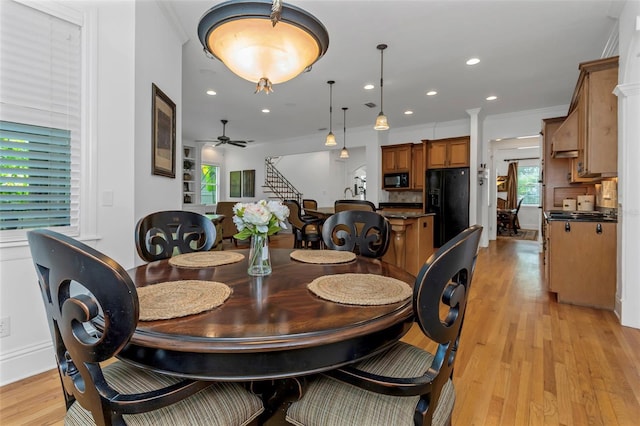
(174, 299)
(360, 289)
(205, 259)
(323, 256)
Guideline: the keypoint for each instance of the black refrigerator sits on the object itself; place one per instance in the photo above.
(448, 198)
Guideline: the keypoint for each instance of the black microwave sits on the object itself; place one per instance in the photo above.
(396, 180)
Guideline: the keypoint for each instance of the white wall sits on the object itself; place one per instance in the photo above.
(158, 59)
(120, 103)
(628, 91)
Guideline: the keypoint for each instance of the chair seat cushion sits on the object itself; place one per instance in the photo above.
(222, 404)
(329, 402)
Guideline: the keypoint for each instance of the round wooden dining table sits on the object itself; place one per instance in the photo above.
(270, 327)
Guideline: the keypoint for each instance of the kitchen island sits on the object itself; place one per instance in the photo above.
(411, 239)
(411, 235)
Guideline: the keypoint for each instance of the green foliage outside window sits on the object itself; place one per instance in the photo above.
(528, 184)
(209, 184)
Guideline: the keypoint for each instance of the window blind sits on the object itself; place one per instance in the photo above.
(35, 176)
(40, 116)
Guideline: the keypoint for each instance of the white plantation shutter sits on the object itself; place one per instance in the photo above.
(40, 121)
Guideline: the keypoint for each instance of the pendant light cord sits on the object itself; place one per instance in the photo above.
(381, 79)
(331, 106)
(344, 142)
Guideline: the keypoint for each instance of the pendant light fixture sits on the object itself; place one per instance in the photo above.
(381, 120)
(331, 138)
(265, 42)
(344, 153)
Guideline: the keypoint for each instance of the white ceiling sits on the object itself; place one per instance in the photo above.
(529, 52)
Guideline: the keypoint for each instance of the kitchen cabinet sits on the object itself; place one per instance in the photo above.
(396, 158)
(564, 141)
(597, 111)
(447, 153)
(555, 170)
(417, 166)
(582, 262)
(559, 178)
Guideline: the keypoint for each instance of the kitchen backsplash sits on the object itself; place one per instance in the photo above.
(405, 197)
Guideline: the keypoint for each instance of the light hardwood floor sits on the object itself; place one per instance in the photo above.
(524, 359)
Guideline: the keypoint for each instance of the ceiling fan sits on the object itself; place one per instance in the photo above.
(224, 139)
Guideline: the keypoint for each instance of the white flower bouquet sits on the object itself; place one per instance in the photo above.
(261, 218)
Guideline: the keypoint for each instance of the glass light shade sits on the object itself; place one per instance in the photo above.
(344, 153)
(381, 122)
(254, 49)
(241, 34)
(331, 140)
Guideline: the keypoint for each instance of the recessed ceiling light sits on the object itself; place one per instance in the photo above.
(369, 87)
(432, 93)
(473, 61)
(492, 98)
(211, 92)
(408, 112)
(266, 110)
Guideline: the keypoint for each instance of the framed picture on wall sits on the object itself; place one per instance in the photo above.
(235, 184)
(163, 130)
(248, 183)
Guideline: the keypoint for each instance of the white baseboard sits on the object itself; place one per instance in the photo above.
(26, 362)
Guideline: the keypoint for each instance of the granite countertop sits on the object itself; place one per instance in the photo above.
(404, 215)
(578, 216)
(396, 205)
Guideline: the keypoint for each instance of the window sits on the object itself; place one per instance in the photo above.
(528, 184)
(209, 175)
(40, 119)
(35, 178)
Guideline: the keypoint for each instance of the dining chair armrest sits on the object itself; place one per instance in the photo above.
(395, 386)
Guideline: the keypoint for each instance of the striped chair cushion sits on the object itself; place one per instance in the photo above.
(329, 402)
(222, 404)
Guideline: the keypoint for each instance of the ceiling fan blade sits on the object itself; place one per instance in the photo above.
(236, 143)
(220, 143)
(243, 142)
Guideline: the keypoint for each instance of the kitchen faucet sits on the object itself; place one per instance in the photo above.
(348, 188)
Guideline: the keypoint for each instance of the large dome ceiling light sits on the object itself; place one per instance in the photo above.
(265, 42)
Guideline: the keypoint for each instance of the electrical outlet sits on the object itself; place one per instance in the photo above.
(5, 326)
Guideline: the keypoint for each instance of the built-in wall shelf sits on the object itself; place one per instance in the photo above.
(189, 169)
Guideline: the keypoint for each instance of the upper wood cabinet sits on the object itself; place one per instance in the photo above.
(564, 142)
(417, 166)
(597, 110)
(555, 170)
(448, 153)
(396, 158)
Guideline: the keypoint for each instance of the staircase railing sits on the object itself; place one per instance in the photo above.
(277, 184)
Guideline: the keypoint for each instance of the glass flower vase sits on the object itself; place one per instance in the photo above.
(259, 260)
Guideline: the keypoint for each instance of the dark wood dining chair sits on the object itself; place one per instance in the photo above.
(306, 229)
(404, 385)
(342, 205)
(309, 204)
(162, 234)
(80, 285)
(364, 232)
(507, 220)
